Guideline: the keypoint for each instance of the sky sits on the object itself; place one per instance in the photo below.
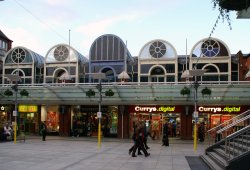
(41, 24)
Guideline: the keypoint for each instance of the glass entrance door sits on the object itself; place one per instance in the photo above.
(154, 123)
(157, 78)
(156, 126)
(174, 123)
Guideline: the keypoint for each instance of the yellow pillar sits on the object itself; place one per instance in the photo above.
(99, 133)
(15, 129)
(195, 138)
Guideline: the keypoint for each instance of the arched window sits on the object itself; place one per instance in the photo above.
(110, 76)
(157, 75)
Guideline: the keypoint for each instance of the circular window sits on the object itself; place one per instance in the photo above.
(157, 49)
(18, 55)
(61, 53)
(210, 48)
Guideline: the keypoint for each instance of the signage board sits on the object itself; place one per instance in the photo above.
(14, 113)
(196, 114)
(27, 108)
(99, 114)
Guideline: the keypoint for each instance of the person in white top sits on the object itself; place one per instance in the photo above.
(8, 130)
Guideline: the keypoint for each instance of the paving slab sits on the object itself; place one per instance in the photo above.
(67, 153)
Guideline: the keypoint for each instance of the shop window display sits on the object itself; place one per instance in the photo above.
(81, 125)
(215, 120)
(3, 117)
(155, 121)
(174, 125)
(52, 121)
(156, 126)
(114, 122)
(28, 122)
(85, 123)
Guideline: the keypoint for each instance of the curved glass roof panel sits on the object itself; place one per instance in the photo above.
(158, 49)
(109, 47)
(210, 48)
(22, 55)
(64, 53)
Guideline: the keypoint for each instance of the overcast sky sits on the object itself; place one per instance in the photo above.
(40, 24)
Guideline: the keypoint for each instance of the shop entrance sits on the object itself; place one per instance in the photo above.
(28, 123)
(155, 122)
(85, 122)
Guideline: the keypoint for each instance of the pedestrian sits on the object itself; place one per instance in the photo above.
(165, 141)
(43, 130)
(201, 132)
(133, 137)
(173, 129)
(145, 133)
(144, 139)
(8, 131)
(75, 130)
(149, 131)
(139, 141)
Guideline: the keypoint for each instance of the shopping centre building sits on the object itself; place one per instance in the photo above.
(64, 86)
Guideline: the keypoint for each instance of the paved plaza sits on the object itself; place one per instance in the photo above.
(69, 153)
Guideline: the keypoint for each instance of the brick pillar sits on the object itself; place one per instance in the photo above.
(125, 112)
(65, 120)
(186, 123)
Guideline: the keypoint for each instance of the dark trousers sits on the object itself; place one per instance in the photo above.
(140, 146)
(165, 140)
(174, 132)
(44, 136)
(145, 142)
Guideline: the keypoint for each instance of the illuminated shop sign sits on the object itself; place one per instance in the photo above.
(2, 108)
(219, 109)
(154, 109)
(27, 108)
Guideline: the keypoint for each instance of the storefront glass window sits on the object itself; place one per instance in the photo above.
(85, 121)
(50, 114)
(112, 120)
(52, 121)
(28, 119)
(3, 118)
(28, 122)
(154, 123)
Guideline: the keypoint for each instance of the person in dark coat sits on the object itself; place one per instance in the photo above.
(165, 141)
(201, 132)
(174, 129)
(139, 135)
(133, 137)
(44, 130)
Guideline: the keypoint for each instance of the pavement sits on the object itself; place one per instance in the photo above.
(70, 153)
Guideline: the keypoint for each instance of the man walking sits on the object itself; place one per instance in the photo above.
(43, 130)
(139, 141)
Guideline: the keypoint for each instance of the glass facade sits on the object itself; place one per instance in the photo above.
(85, 121)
